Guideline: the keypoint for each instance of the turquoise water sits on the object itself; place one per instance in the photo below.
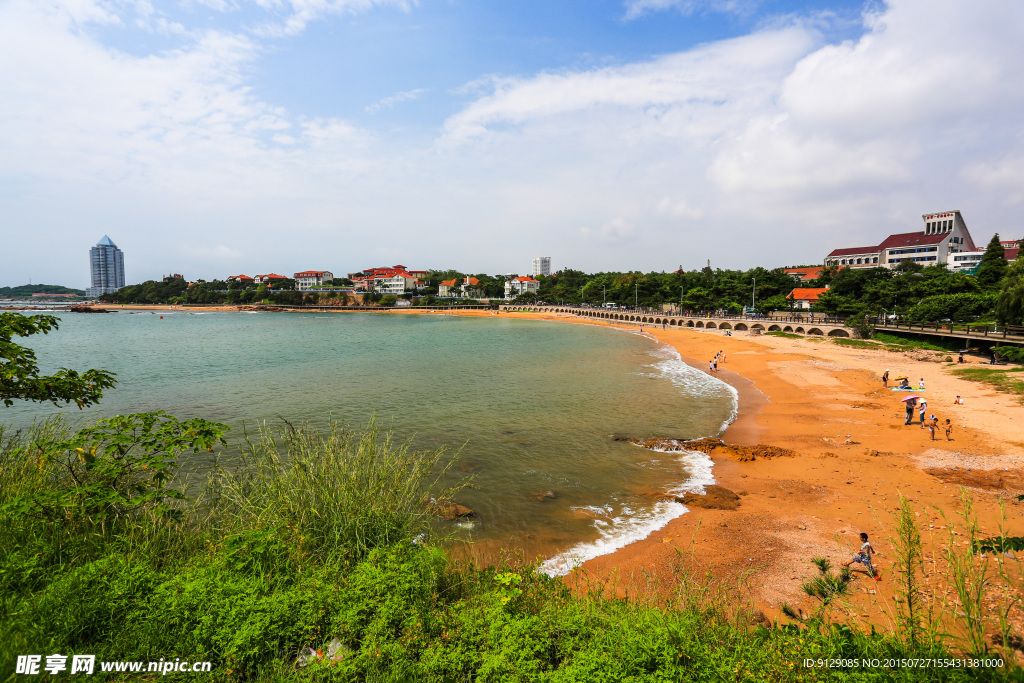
(533, 405)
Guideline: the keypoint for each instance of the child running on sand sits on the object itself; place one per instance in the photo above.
(864, 557)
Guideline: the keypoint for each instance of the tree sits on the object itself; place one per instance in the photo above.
(1010, 300)
(993, 264)
(19, 373)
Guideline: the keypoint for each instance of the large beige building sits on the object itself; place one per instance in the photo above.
(945, 233)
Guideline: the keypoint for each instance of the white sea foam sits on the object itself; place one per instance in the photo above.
(695, 383)
(629, 525)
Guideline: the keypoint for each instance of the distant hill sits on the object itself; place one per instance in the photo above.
(25, 291)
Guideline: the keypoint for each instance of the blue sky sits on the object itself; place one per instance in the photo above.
(213, 137)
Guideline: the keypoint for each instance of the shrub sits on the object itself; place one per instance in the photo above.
(956, 307)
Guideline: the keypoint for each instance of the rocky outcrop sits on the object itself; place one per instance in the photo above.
(450, 510)
(714, 498)
(709, 446)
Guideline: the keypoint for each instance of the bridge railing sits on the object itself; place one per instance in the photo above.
(803, 318)
(990, 331)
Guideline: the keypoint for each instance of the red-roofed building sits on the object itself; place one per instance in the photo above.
(468, 288)
(240, 278)
(804, 274)
(308, 279)
(945, 234)
(806, 297)
(267, 279)
(386, 280)
(520, 285)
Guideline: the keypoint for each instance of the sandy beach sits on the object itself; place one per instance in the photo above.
(851, 459)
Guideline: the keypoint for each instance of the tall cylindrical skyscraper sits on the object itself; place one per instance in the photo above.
(106, 262)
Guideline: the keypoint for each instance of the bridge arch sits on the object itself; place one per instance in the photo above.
(672, 322)
(740, 327)
(787, 328)
(725, 326)
(711, 325)
(700, 323)
(815, 330)
(689, 323)
(774, 328)
(799, 330)
(838, 332)
(757, 326)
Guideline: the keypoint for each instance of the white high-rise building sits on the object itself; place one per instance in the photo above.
(106, 263)
(542, 265)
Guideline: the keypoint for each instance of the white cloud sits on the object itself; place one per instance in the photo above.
(390, 102)
(638, 8)
(769, 148)
(615, 231)
(290, 17)
(679, 209)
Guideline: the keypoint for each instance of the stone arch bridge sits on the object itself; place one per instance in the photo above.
(753, 325)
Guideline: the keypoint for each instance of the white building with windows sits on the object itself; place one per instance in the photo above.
(944, 236)
(968, 261)
(520, 285)
(542, 266)
(396, 283)
(308, 279)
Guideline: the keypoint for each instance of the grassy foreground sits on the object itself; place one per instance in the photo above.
(324, 540)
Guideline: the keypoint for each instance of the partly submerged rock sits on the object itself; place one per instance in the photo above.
(450, 510)
(717, 446)
(714, 498)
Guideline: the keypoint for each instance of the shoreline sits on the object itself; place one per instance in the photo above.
(853, 457)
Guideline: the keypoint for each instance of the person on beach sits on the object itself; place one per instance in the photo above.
(711, 366)
(949, 430)
(910, 412)
(922, 409)
(716, 365)
(885, 379)
(920, 385)
(933, 424)
(958, 401)
(864, 557)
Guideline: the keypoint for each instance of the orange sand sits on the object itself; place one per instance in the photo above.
(854, 459)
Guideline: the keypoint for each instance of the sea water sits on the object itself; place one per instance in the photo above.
(534, 409)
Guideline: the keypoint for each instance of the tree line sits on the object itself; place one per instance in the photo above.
(910, 291)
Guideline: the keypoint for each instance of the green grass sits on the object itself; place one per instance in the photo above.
(897, 342)
(310, 542)
(1009, 381)
(785, 335)
(860, 343)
